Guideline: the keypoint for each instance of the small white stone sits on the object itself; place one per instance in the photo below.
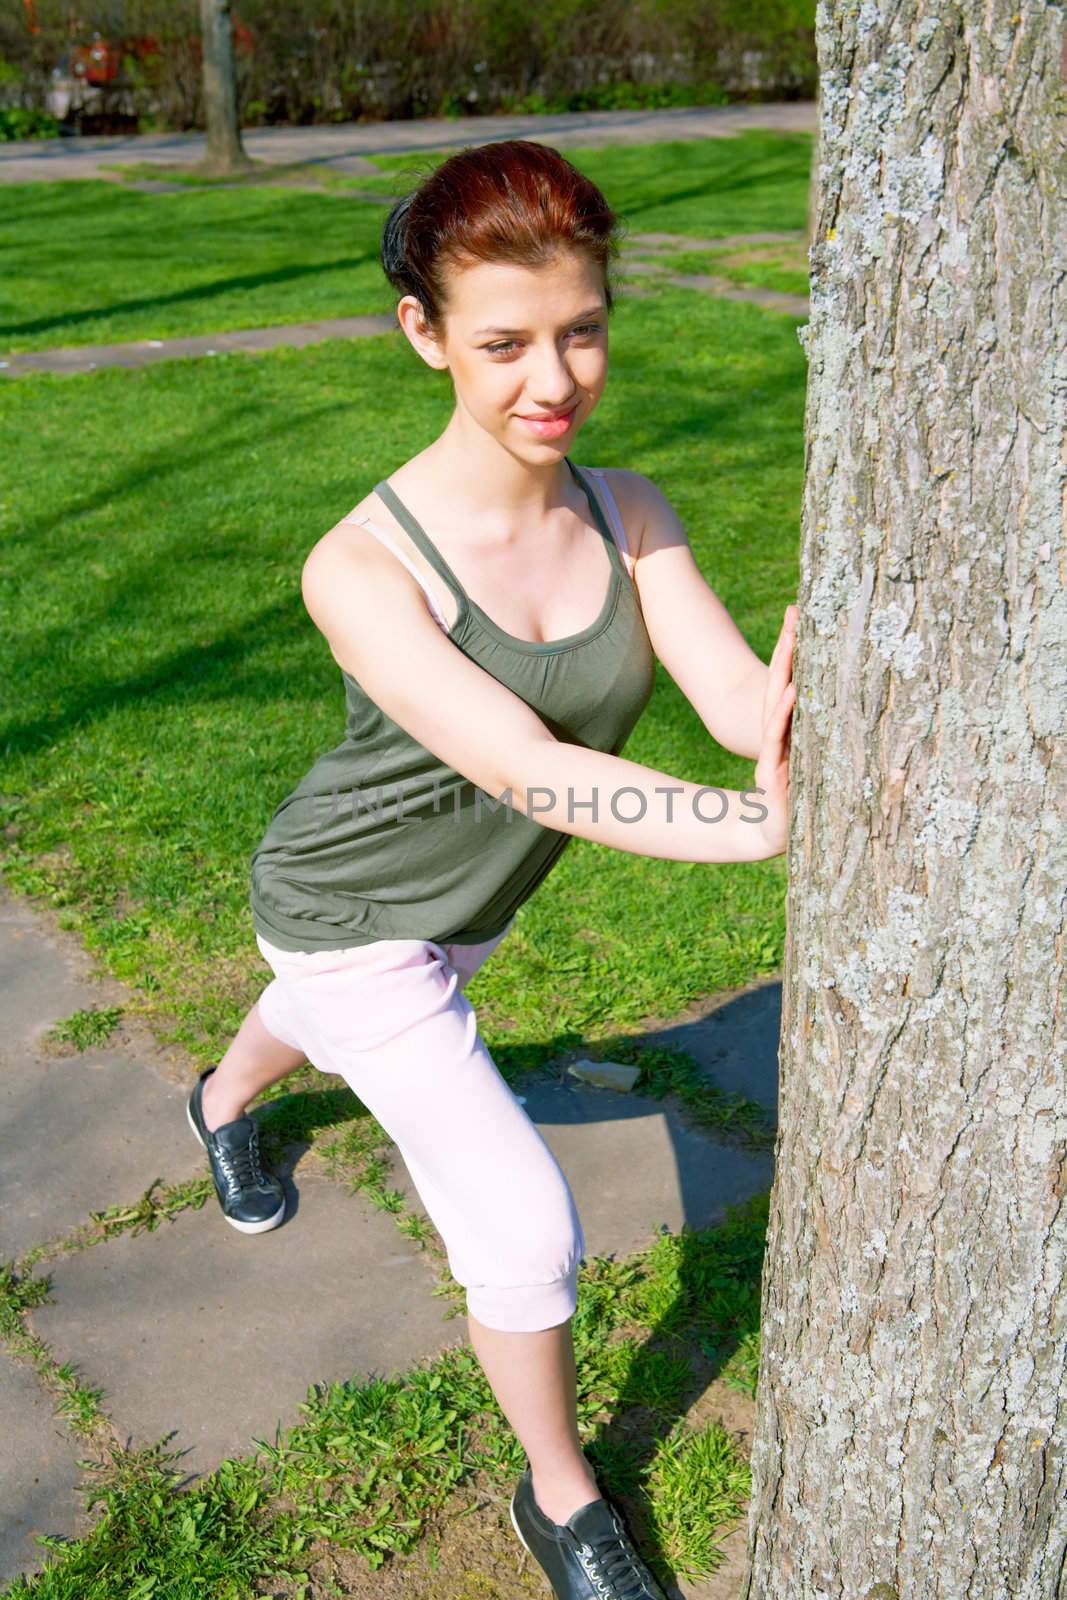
(605, 1074)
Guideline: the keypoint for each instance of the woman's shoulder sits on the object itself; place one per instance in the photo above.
(353, 533)
(366, 543)
(630, 492)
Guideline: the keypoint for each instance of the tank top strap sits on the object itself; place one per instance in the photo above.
(420, 537)
(618, 529)
(611, 528)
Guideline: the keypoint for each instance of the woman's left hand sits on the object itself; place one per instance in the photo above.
(780, 673)
(772, 765)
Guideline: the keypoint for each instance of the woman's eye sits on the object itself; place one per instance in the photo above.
(506, 345)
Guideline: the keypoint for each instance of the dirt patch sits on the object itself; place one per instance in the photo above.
(796, 259)
(469, 1552)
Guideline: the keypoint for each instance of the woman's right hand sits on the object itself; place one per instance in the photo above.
(772, 767)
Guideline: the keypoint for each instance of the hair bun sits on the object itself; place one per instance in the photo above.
(394, 242)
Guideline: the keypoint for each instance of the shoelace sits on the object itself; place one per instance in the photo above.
(242, 1166)
(614, 1567)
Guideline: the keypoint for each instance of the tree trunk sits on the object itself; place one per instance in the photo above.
(813, 179)
(912, 1399)
(225, 152)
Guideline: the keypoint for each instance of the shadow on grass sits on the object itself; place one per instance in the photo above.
(196, 293)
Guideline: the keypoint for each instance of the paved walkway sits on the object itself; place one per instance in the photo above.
(344, 147)
(151, 1317)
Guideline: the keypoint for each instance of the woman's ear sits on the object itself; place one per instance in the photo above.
(412, 319)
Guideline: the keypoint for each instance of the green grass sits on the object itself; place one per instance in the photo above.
(89, 262)
(86, 1029)
(697, 1484)
(310, 173)
(371, 1462)
(744, 183)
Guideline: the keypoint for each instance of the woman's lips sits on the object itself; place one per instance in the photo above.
(550, 427)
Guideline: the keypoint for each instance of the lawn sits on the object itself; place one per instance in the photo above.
(89, 262)
(171, 690)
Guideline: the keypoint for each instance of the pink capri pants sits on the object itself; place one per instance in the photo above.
(392, 1020)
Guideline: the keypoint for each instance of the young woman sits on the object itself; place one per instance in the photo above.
(496, 612)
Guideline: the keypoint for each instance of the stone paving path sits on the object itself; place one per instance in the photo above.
(344, 147)
(178, 1326)
(146, 352)
(638, 255)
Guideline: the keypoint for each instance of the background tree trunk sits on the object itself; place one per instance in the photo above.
(912, 1399)
(225, 152)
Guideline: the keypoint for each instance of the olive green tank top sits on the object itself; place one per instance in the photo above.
(381, 840)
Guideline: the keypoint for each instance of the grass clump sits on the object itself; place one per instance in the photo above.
(152, 1543)
(86, 1029)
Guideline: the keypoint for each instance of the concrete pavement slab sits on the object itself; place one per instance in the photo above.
(69, 359)
(39, 1473)
(145, 352)
(341, 145)
(42, 977)
(725, 241)
(217, 1335)
(634, 1164)
(734, 1039)
(79, 1130)
(80, 1133)
(774, 299)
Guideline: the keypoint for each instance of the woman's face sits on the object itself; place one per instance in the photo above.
(522, 343)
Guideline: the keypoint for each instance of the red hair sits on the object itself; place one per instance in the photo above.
(510, 200)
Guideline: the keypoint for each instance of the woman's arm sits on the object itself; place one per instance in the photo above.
(650, 813)
(692, 632)
(630, 807)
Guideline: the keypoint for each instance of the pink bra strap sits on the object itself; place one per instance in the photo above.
(384, 538)
(614, 519)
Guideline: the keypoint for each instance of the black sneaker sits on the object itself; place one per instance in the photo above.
(251, 1199)
(588, 1557)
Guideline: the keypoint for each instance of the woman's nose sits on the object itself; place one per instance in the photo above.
(551, 385)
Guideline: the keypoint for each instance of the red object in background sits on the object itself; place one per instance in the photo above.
(100, 62)
(97, 62)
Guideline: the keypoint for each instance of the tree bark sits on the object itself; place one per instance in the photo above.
(225, 152)
(912, 1396)
(813, 179)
